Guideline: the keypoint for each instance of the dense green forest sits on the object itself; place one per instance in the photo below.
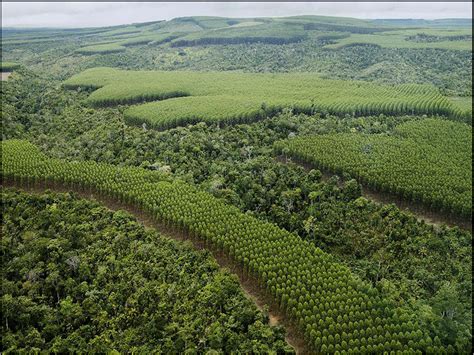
(420, 272)
(292, 270)
(428, 161)
(79, 277)
(237, 165)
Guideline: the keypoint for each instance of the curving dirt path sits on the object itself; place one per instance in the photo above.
(249, 284)
(421, 212)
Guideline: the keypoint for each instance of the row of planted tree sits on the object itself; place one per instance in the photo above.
(425, 161)
(231, 98)
(107, 284)
(334, 310)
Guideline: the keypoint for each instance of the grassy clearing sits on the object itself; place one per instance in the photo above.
(247, 24)
(427, 161)
(235, 97)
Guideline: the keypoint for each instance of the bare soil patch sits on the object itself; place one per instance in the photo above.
(6, 75)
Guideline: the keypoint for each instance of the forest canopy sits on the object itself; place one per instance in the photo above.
(190, 121)
(79, 277)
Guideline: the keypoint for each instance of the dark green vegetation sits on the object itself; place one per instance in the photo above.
(9, 66)
(424, 271)
(423, 37)
(293, 271)
(237, 165)
(77, 277)
(426, 161)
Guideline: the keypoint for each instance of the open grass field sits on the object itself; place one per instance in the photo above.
(426, 161)
(238, 97)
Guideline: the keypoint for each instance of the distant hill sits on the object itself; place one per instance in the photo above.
(445, 22)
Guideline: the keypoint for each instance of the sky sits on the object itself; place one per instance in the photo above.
(90, 14)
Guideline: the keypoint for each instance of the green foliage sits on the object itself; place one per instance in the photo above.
(121, 44)
(394, 40)
(146, 38)
(211, 22)
(235, 163)
(101, 49)
(237, 97)
(15, 37)
(225, 109)
(9, 66)
(120, 31)
(451, 23)
(427, 161)
(423, 37)
(293, 271)
(405, 259)
(464, 104)
(272, 33)
(450, 70)
(343, 28)
(450, 311)
(77, 277)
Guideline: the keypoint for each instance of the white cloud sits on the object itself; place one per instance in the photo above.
(87, 14)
